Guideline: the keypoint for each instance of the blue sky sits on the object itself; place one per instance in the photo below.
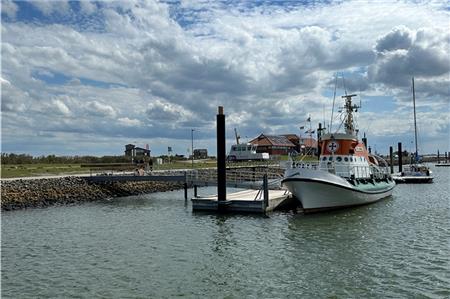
(82, 77)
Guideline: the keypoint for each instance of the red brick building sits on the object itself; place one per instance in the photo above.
(304, 145)
(273, 144)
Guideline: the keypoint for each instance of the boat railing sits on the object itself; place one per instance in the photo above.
(357, 171)
(346, 171)
(305, 165)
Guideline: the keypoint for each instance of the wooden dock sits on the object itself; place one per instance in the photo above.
(442, 165)
(248, 201)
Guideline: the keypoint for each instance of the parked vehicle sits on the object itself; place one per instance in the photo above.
(243, 152)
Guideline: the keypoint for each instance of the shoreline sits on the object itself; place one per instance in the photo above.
(44, 192)
(40, 192)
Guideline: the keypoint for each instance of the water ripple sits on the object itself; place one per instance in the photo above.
(154, 246)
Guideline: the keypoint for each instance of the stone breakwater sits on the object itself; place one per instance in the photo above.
(20, 194)
(35, 193)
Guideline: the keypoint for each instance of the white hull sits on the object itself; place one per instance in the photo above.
(319, 190)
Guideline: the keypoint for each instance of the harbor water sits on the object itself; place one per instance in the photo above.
(154, 246)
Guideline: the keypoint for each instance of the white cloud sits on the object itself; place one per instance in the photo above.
(9, 8)
(50, 7)
(403, 53)
(267, 65)
(88, 7)
(125, 121)
(100, 109)
(61, 107)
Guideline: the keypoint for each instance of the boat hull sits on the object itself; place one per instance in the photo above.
(318, 195)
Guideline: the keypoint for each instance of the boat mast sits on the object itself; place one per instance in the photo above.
(415, 123)
(349, 125)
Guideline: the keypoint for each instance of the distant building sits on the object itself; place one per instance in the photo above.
(133, 151)
(295, 140)
(200, 153)
(308, 146)
(273, 144)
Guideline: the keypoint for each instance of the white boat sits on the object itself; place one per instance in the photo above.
(415, 173)
(346, 174)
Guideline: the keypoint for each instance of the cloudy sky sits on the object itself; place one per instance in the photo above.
(88, 77)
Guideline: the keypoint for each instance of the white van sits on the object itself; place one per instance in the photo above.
(240, 152)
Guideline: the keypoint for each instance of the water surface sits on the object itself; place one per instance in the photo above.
(154, 246)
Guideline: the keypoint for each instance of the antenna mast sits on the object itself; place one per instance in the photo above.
(334, 98)
(415, 123)
(349, 125)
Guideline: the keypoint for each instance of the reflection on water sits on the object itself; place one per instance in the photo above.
(154, 246)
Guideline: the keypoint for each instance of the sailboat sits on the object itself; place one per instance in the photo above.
(347, 173)
(415, 173)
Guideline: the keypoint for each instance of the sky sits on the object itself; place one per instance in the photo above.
(86, 78)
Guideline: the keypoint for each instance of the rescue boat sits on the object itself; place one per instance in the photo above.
(346, 175)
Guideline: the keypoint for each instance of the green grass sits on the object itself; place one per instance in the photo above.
(24, 170)
(30, 170)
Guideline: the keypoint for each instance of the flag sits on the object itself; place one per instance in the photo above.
(302, 127)
(169, 148)
(309, 118)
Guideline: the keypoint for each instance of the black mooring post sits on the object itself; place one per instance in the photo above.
(446, 157)
(391, 158)
(185, 185)
(195, 190)
(400, 158)
(319, 138)
(364, 140)
(266, 192)
(438, 160)
(221, 156)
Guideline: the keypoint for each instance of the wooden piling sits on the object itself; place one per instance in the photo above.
(400, 158)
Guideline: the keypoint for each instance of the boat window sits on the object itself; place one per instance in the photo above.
(339, 159)
(330, 158)
(346, 159)
(233, 148)
(351, 159)
(324, 158)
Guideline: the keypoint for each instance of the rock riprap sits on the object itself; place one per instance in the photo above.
(19, 194)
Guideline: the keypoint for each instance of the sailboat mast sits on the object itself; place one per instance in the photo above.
(415, 122)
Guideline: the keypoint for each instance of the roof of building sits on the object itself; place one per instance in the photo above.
(291, 136)
(277, 140)
(308, 142)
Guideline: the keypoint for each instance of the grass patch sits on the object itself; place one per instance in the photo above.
(25, 170)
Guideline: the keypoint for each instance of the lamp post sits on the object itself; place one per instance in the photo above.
(192, 147)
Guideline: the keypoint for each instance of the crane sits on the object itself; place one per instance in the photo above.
(237, 136)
